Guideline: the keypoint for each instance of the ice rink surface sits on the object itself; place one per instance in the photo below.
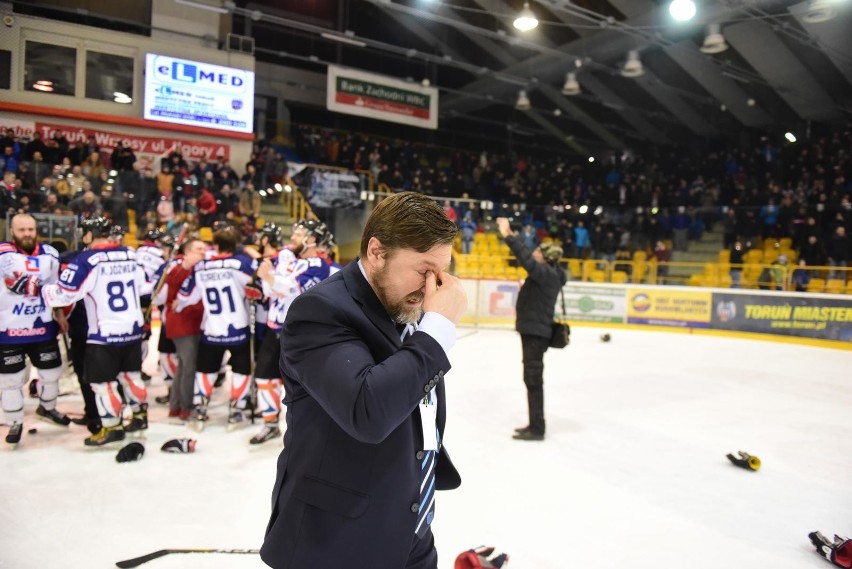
(633, 472)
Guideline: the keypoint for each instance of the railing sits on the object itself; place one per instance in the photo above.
(827, 279)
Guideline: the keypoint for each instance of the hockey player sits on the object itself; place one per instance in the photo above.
(222, 283)
(151, 257)
(165, 346)
(283, 279)
(28, 328)
(110, 281)
(326, 251)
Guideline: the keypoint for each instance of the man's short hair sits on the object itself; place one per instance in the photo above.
(408, 220)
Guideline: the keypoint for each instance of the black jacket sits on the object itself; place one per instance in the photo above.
(351, 466)
(537, 298)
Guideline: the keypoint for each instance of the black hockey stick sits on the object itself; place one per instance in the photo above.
(137, 561)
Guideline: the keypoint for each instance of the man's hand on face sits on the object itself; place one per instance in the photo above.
(445, 295)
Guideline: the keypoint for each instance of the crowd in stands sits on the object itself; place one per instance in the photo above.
(630, 201)
(53, 177)
(607, 209)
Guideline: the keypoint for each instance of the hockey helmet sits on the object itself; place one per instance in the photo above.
(154, 234)
(98, 226)
(314, 227)
(272, 232)
(167, 240)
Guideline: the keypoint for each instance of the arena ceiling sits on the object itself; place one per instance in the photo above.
(778, 72)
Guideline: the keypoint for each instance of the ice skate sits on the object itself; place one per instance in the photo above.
(270, 431)
(105, 436)
(53, 416)
(237, 419)
(13, 437)
(139, 421)
(199, 419)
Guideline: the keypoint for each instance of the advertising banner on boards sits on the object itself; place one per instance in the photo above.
(593, 303)
(669, 307)
(808, 317)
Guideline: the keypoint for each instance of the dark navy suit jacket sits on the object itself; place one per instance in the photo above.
(348, 480)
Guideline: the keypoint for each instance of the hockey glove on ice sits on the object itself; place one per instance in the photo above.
(131, 452)
(25, 285)
(745, 460)
(479, 559)
(179, 445)
(838, 551)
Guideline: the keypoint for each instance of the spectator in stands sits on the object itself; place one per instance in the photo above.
(165, 210)
(680, 224)
(529, 237)
(813, 252)
(207, 207)
(9, 161)
(165, 181)
(51, 204)
(75, 180)
(249, 204)
(468, 230)
(738, 252)
(729, 228)
(838, 252)
(227, 202)
(582, 240)
(663, 255)
(92, 166)
(451, 211)
(801, 276)
(86, 206)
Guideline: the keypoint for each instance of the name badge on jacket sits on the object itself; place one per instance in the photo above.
(428, 420)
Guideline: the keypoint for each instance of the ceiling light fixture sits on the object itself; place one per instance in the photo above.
(633, 66)
(523, 102)
(682, 10)
(526, 19)
(122, 98)
(714, 42)
(572, 86)
(820, 11)
(790, 136)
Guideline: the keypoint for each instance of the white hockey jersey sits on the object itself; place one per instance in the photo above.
(150, 258)
(26, 319)
(110, 281)
(283, 290)
(220, 284)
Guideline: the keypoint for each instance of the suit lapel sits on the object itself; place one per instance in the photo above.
(365, 296)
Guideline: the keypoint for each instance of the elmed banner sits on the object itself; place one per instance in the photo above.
(381, 97)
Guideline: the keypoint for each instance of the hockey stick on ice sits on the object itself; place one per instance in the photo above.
(137, 561)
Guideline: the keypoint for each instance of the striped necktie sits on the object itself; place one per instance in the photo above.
(426, 512)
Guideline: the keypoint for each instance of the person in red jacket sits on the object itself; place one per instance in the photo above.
(207, 207)
(184, 328)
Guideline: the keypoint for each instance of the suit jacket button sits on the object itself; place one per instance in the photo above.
(415, 507)
(436, 378)
(427, 388)
(441, 374)
(420, 454)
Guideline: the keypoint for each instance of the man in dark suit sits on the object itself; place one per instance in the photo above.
(363, 357)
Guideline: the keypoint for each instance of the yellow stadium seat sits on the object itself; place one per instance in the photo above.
(695, 280)
(834, 286)
(640, 256)
(725, 256)
(816, 285)
(619, 277)
(205, 234)
(598, 276)
(849, 287)
(575, 267)
(786, 243)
